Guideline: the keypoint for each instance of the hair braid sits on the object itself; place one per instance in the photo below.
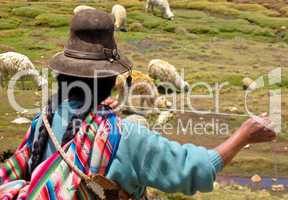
(40, 145)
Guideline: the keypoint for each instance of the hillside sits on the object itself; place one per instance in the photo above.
(214, 41)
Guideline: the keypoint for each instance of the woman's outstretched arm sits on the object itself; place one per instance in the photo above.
(145, 158)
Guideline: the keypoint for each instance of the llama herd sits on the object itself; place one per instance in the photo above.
(158, 70)
(119, 12)
(12, 62)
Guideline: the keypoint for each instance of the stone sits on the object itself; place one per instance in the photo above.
(24, 111)
(232, 109)
(278, 188)
(256, 178)
(21, 120)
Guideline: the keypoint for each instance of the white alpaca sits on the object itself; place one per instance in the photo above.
(12, 62)
(119, 14)
(165, 72)
(80, 8)
(163, 6)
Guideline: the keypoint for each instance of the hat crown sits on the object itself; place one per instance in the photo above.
(91, 50)
(91, 30)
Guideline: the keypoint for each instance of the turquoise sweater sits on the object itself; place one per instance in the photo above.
(145, 158)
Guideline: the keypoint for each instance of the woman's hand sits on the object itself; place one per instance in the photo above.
(112, 103)
(256, 130)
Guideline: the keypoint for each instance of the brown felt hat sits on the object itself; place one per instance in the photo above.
(91, 50)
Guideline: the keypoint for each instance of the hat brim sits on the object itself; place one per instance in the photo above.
(88, 68)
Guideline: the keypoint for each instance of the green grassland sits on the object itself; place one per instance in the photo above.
(213, 41)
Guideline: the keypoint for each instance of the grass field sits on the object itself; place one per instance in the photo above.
(213, 41)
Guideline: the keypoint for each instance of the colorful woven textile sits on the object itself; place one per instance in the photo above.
(92, 151)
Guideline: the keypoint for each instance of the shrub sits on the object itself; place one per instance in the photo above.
(3, 14)
(253, 7)
(224, 8)
(213, 7)
(265, 21)
(284, 11)
(234, 79)
(169, 27)
(263, 32)
(151, 24)
(218, 0)
(129, 3)
(138, 16)
(27, 11)
(237, 25)
(220, 9)
(284, 83)
(180, 30)
(14, 4)
(9, 23)
(188, 14)
(148, 20)
(136, 27)
(242, 26)
(285, 37)
(132, 4)
(202, 29)
(52, 20)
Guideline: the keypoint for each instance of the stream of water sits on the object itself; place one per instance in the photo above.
(266, 183)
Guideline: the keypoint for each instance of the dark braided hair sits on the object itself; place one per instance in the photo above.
(104, 88)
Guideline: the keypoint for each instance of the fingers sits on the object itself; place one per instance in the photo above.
(261, 129)
(265, 123)
(270, 137)
(114, 104)
(264, 120)
(260, 121)
(269, 134)
(264, 136)
(264, 114)
(110, 102)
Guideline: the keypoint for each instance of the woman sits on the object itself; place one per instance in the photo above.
(100, 156)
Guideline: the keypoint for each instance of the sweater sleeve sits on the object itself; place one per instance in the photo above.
(166, 165)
